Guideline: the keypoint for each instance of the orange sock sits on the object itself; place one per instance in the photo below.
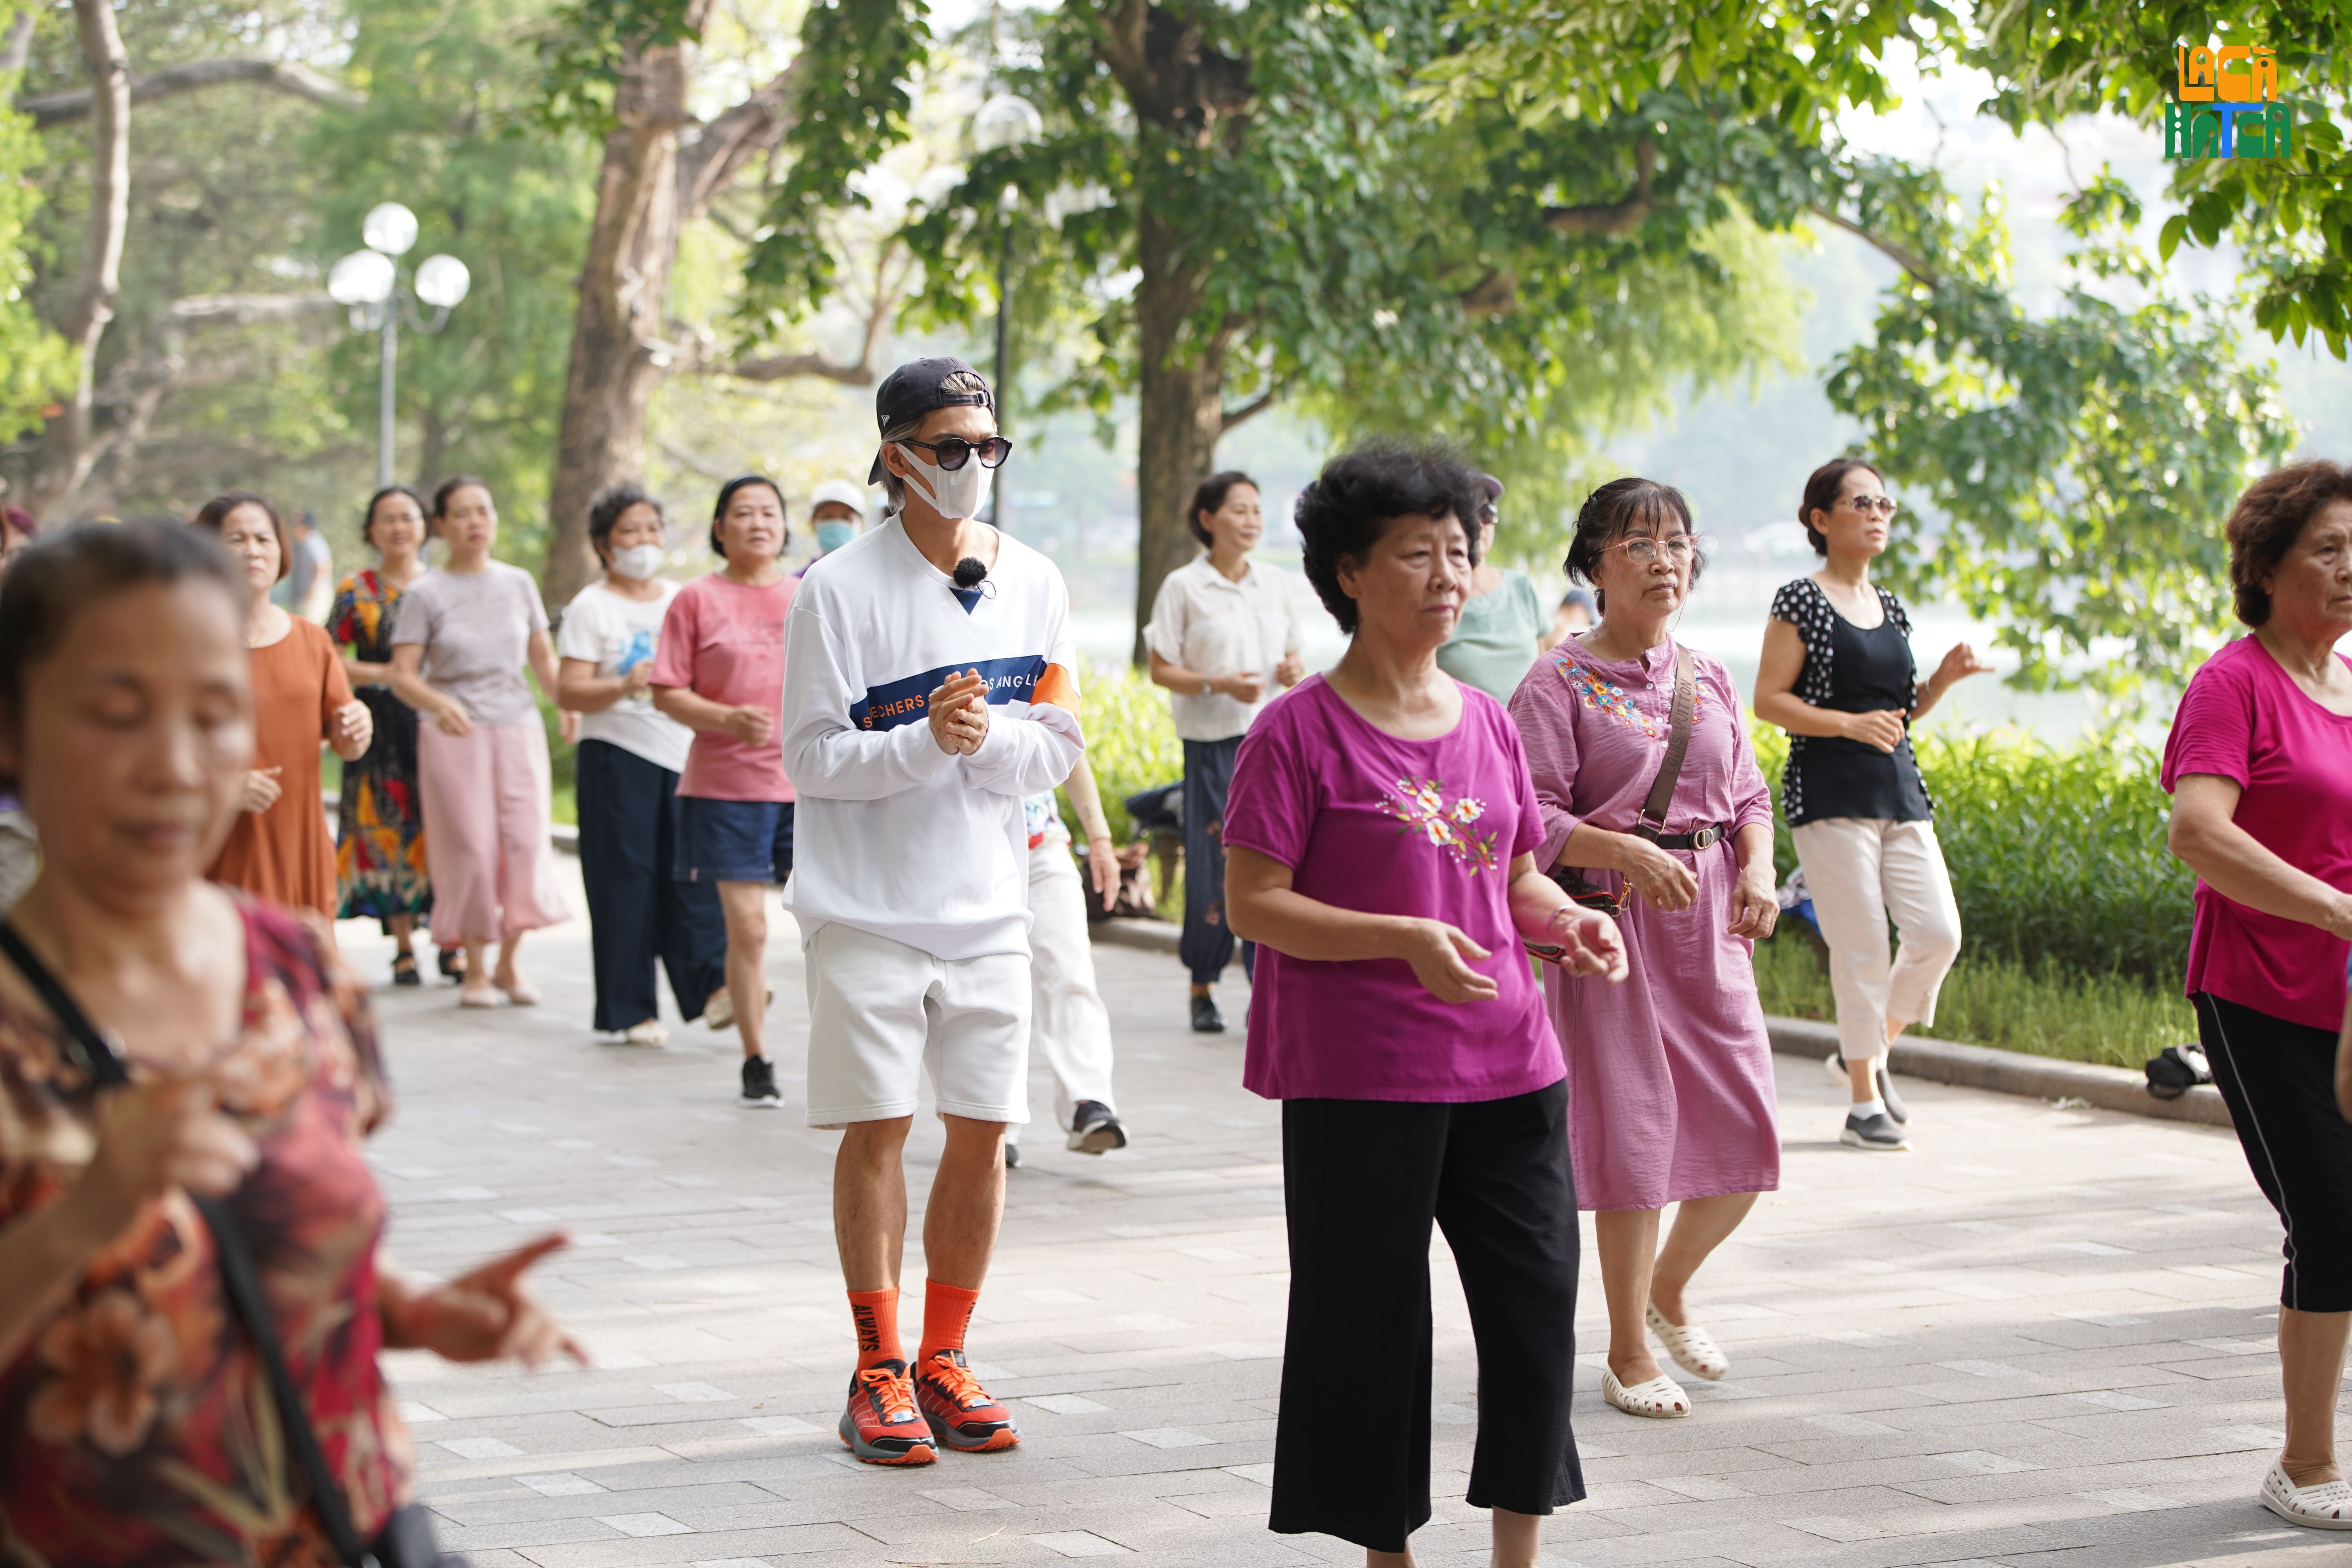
(877, 1315)
(947, 1313)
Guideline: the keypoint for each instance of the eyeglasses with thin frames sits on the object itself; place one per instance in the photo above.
(1642, 549)
(954, 451)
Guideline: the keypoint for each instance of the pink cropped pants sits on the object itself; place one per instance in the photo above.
(486, 848)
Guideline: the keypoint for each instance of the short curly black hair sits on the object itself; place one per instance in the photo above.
(604, 515)
(2266, 523)
(1343, 513)
(1609, 512)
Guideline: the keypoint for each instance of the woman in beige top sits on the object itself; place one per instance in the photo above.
(1223, 636)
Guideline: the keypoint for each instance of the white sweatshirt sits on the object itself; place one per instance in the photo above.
(892, 835)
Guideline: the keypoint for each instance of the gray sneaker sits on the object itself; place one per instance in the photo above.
(1878, 1131)
(1093, 1130)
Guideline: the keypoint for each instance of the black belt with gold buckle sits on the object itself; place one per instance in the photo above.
(1701, 838)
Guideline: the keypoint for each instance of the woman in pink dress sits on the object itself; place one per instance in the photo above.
(1669, 1075)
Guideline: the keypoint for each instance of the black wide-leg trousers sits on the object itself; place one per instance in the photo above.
(637, 914)
(1364, 1180)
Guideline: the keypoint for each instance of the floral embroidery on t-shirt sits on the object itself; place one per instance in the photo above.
(1419, 805)
(1608, 697)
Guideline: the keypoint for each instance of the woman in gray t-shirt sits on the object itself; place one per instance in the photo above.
(462, 637)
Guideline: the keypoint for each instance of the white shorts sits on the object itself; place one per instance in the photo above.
(881, 1011)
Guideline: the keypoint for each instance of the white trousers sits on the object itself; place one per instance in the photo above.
(1067, 1017)
(1862, 871)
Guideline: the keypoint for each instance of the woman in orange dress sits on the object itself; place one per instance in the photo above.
(279, 848)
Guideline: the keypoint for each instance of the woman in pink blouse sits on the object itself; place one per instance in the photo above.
(1669, 1075)
(1381, 830)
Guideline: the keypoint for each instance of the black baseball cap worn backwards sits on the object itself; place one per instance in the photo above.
(917, 388)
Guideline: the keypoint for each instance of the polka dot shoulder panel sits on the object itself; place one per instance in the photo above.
(1804, 605)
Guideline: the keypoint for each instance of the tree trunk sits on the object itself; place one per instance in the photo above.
(1181, 412)
(617, 352)
(69, 452)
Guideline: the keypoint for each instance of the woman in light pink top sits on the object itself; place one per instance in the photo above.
(1669, 1075)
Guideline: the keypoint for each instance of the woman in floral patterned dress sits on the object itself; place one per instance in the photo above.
(380, 819)
(1669, 1075)
(135, 1418)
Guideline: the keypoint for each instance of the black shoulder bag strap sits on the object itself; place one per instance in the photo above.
(95, 1054)
(1653, 820)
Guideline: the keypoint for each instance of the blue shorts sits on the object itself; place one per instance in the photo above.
(734, 840)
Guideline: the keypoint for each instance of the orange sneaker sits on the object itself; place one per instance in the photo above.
(882, 1426)
(959, 1411)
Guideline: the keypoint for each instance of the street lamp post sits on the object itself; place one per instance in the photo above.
(1006, 121)
(369, 282)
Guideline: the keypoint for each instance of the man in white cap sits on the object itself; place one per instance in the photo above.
(837, 515)
(929, 685)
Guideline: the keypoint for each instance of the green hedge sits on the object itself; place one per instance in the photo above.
(1130, 739)
(2057, 853)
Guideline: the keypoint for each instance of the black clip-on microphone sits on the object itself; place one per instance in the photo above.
(969, 573)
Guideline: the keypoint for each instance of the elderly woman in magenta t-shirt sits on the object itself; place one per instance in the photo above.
(1379, 834)
(2260, 765)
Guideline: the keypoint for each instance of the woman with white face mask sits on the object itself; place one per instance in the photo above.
(631, 755)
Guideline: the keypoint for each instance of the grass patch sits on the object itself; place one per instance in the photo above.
(1990, 1000)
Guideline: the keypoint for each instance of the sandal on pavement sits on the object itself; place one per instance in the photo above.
(650, 1034)
(1692, 1348)
(477, 995)
(1661, 1398)
(2327, 1506)
(522, 992)
(403, 970)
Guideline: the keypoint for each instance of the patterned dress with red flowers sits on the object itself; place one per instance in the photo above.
(136, 1428)
(380, 812)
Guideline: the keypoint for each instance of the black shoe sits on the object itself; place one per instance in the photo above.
(403, 970)
(1895, 1106)
(1012, 1156)
(1878, 1132)
(1206, 1019)
(453, 963)
(1093, 1129)
(759, 1091)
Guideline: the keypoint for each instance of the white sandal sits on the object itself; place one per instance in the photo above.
(1692, 1348)
(2327, 1506)
(1661, 1398)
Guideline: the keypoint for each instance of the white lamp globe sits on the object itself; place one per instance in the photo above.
(363, 277)
(442, 281)
(1007, 120)
(390, 229)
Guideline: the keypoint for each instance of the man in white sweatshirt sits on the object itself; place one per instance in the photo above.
(929, 684)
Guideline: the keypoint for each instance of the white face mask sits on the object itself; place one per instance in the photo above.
(954, 496)
(637, 562)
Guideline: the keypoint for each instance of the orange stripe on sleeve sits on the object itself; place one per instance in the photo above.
(1058, 686)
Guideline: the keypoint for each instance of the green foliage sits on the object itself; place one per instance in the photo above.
(34, 363)
(1987, 1000)
(2057, 855)
(582, 47)
(854, 60)
(1130, 742)
(445, 91)
(2083, 461)
(2288, 216)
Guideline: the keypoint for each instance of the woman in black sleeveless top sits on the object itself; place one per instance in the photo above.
(1837, 675)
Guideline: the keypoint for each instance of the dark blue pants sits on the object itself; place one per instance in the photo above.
(637, 914)
(1207, 945)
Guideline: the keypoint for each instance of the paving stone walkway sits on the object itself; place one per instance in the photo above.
(2045, 1338)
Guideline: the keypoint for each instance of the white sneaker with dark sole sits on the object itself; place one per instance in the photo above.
(1878, 1131)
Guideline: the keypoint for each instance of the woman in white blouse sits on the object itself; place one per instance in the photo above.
(1223, 636)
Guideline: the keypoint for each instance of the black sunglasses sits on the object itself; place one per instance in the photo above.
(955, 451)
